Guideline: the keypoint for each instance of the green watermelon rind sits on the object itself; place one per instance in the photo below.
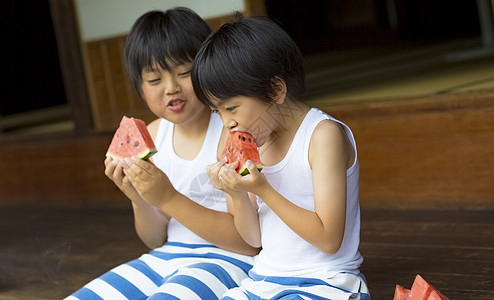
(147, 155)
(144, 155)
(244, 171)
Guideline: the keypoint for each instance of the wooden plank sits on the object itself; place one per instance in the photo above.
(62, 248)
(382, 283)
(434, 150)
(112, 95)
(456, 253)
(64, 169)
(451, 249)
(430, 264)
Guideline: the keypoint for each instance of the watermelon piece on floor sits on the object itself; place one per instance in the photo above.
(401, 293)
(422, 290)
(131, 139)
(241, 147)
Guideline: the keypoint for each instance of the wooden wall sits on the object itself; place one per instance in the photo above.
(56, 169)
(436, 150)
(430, 151)
(417, 152)
(110, 92)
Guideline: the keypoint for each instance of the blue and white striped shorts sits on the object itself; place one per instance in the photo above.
(174, 271)
(341, 286)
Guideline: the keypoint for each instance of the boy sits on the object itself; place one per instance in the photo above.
(177, 213)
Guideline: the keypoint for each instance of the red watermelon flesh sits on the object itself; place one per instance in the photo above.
(241, 147)
(132, 138)
(421, 290)
(401, 293)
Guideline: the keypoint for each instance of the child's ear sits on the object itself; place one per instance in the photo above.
(279, 89)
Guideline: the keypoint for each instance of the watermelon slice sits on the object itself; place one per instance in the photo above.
(401, 293)
(241, 147)
(421, 290)
(132, 138)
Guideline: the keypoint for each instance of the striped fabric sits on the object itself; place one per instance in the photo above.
(341, 286)
(174, 271)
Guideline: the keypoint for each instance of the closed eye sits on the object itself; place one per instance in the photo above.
(154, 81)
(230, 109)
(185, 74)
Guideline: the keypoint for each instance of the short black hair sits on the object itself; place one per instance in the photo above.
(160, 38)
(244, 58)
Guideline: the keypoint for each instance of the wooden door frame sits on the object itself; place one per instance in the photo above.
(64, 17)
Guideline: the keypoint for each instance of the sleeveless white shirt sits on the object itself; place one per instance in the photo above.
(189, 177)
(284, 253)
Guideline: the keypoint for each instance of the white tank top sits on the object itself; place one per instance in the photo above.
(189, 177)
(284, 253)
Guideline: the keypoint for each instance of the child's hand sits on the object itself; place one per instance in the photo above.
(149, 181)
(213, 171)
(233, 181)
(114, 171)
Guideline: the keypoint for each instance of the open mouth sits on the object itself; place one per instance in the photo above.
(176, 105)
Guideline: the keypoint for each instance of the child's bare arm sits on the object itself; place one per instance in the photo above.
(241, 205)
(155, 188)
(151, 224)
(246, 219)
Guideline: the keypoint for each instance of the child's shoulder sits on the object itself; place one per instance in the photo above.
(153, 127)
(328, 130)
(329, 139)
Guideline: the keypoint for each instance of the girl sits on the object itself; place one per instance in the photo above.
(177, 211)
(306, 214)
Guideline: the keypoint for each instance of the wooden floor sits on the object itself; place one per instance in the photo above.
(47, 252)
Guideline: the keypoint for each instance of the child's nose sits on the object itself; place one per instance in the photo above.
(171, 86)
(231, 124)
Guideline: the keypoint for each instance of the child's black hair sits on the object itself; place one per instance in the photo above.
(244, 58)
(164, 39)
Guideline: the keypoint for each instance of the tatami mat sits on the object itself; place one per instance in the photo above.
(462, 77)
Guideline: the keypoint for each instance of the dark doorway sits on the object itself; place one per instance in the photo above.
(32, 77)
(322, 25)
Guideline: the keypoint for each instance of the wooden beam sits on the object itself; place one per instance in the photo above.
(69, 52)
(424, 151)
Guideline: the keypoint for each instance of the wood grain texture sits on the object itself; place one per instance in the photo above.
(49, 251)
(414, 153)
(58, 169)
(111, 94)
(451, 249)
(434, 150)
